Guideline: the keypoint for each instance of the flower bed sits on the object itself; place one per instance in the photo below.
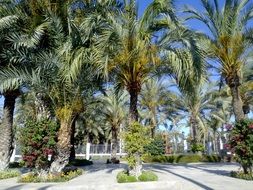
(241, 175)
(33, 177)
(9, 174)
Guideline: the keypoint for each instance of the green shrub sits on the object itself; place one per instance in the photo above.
(123, 177)
(241, 175)
(197, 147)
(148, 176)
(38, 140)
(9, 173)
(16, 164)
(62, 177)
(80, 162)
(155, 147)
(241, 143)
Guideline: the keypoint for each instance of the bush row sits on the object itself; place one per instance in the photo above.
(191, 158)
(80, 162)
(62, 177)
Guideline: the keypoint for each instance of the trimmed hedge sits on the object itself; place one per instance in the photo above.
(191, 158)
(211, 158)
(80, 162)
(123, 177)
(155, 147)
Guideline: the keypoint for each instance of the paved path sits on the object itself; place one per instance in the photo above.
(202, 176)
(190, 176)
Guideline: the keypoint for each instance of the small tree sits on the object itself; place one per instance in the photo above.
(38, 140)
(135, 139)
(241, 143)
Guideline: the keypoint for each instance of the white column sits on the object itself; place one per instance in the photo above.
(210, 147)
(221, 144)
(12, 159)
(87, 155)
(185, 146)
(120, 147)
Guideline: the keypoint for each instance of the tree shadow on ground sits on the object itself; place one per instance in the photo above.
(161, 168)
(44, 188)
(27, 186)
(109, 168)
(212, 171)
(17, 187)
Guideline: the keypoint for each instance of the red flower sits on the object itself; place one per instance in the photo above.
(228, 126)
(48, 151)
(227, 146)
(251, 126)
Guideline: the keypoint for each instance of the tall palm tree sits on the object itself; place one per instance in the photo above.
(14, 54)
(55, 76)
(228, 42)
(7, 20)
(128, 47)
(114, 113)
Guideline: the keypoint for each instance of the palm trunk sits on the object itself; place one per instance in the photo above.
(6, 129)
(63, 148)
(72, 140)
(245, 169)
(114, 144)
(153, 124)
(237, 101)
(152, 132)
(214, 143)
(194, 126)
(133, 105)
(133, 118)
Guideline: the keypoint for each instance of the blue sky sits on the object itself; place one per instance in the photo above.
(179, 5)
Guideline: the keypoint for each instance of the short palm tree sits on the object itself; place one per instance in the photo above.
(194, 107)
(152, 99)
(228, 42)
(114, 113)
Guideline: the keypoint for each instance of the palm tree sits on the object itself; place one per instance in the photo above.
(152, 99)
(13, 54)
(219, 115)
(7, 20)
(128, 48)
(114, 114)
(194, 106)
(228, 41)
